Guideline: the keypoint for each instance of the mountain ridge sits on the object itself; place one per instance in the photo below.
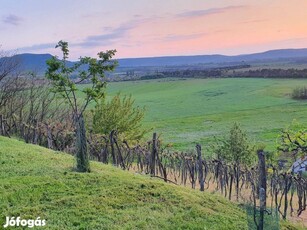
(37, 62)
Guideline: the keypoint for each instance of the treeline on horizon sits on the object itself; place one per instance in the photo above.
(230, 72)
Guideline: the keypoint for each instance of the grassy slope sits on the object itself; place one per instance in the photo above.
(189, 111)
(36, 182)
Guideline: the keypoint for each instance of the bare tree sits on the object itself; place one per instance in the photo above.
(9, 64)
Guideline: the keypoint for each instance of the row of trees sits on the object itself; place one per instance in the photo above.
(243, 71)
(271, 73)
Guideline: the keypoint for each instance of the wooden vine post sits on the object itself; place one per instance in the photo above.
(262, 187)
(200, 168)
(112, 147)
(153, 155)
(1, 125)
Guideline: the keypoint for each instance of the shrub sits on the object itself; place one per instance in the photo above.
(300, 93)
(121, 115)
(235, 147)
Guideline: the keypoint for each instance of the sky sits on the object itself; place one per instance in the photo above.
(146, 28)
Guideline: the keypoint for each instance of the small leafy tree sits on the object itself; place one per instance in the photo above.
(236, 148)
(87, 69)
(121, 115)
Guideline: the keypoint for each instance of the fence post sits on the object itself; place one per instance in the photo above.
(49, 136)
(120, 157)
(112, 148)
(1, 125)
(35, 132)
(262, 186)
(200, 168)
(153, 155)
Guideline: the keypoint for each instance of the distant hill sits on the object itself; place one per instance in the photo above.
(205, 59)
(274, 54)
(33, 62)
(37, 62)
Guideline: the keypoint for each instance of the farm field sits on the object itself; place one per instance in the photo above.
(192, 111)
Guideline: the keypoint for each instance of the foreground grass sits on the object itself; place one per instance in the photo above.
(36, 182)
(192, 111)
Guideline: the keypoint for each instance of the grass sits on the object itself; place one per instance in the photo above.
(35, 181)
(192, 111)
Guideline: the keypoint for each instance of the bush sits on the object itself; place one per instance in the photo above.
(235, 147)
(300, 93)
(120, 115)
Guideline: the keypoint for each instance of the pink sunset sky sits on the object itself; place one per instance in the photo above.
(143, 28)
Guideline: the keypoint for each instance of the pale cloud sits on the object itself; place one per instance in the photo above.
(254, 21)
(208, 12)
(12, 19)
(37, 47)
(182, 37)
(113, 35)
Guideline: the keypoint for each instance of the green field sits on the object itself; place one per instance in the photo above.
(194, 110)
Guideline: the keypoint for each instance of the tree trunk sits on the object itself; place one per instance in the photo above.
(81, 145)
